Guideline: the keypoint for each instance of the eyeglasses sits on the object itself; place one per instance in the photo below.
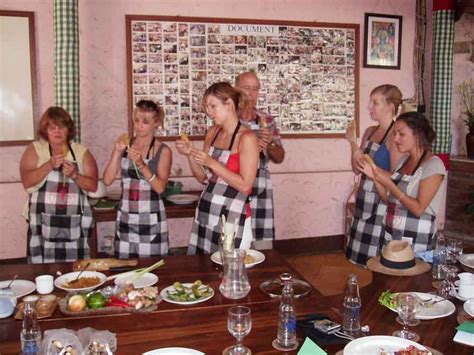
(147, 105)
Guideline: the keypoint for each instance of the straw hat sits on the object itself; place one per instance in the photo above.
(398, 259)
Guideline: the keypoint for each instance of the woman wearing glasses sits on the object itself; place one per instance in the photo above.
(56, 172)
(228, 164)
(144, 164)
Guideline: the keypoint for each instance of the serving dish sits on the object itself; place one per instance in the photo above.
(63, 279)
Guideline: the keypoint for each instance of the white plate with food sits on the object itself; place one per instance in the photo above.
(173, 351)
(467, 260)
(87, 281)
(433, 309)
(377, 344)
(469, 307)
(144, 280)
(182, 199)
(19, 287)
(253, 257)
(187, 293)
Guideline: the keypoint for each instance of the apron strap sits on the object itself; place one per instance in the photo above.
(387, 132)
(231, 144)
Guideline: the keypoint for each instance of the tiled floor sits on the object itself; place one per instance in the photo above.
(328, 272)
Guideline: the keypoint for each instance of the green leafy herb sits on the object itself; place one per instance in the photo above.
(388, 299)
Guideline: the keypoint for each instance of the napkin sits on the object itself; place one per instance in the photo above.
(467, 327)
(311, 348)
(307, 328)
(465, 333)
(426, 256)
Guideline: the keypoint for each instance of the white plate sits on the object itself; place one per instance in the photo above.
(469, 307)
(20, 287)
(61, 280)
(437, 310)
(173, 351)
(164, 295)
(145, 280)
(372, 345)
(463, 298)
(467, 260)
(258, 257)
(182, 199)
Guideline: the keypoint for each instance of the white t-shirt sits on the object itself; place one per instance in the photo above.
(432, 166)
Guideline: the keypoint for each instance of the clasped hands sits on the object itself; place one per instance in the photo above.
(69, 168)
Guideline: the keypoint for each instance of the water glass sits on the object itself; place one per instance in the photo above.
(239, 324)
(408, 305)
(455, 248)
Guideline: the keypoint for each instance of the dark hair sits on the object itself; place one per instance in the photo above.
(224, 91)
(58, 116)
(420, 126)
(150, 106)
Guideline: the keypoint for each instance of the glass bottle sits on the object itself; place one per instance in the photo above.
(351, 306)
(439, 256)
(30, 335)
(235, 283)
(286, 336)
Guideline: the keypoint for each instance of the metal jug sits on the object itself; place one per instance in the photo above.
(235, 283)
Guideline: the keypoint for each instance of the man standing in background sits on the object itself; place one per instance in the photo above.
(270, 146)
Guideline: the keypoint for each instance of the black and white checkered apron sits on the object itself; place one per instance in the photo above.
(60, 220)
(261, 202)
(401, 224)
(141, 227)
(366, 232)
(217, 199)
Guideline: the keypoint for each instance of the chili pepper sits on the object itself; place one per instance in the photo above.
(116, 302)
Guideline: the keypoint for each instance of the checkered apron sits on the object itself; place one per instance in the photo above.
(142, 229)
(216, 200)
(60, 221)
(261, 202)
(401, 224)
(365, 235)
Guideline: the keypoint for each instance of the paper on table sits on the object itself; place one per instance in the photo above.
(309, 347)
(464, 338)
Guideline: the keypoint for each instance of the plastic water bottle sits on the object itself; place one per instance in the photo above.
(439, 256)
(351, 305)
(30, 332)
(286, 336)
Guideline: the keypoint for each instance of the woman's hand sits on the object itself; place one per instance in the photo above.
(264, 138)
(120, 145)
(136, 157)
(184, 148)
(70, 169)
(350, 133)
(56, 161)
(201, 157)
(358, 160)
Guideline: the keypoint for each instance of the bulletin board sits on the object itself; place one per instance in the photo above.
(309, 72)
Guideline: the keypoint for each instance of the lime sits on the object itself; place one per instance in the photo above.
(96, 300)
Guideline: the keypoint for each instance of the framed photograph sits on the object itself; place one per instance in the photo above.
(382, 41)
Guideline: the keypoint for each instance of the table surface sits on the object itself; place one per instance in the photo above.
(203, 326)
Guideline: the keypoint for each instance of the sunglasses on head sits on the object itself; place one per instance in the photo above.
(147, 105)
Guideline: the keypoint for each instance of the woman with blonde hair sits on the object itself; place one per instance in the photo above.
(377, 142)
(57, 172)
(144, 164)
(228, 164)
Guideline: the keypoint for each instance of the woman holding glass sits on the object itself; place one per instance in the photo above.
(414, 191)
(57, 172)
(377, 142)
(227, 164)
(144, 164)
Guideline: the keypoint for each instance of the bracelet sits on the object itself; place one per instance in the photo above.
(400, 197)
(152, 177)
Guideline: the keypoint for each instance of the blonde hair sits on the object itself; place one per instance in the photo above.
(392, 95)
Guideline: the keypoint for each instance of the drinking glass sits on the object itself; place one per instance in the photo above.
(447, 289)
(408, 305)
(239, 323)
(454, 250)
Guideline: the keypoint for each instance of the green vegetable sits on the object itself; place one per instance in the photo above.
(191, 293)
(388, 299)
(96, 300)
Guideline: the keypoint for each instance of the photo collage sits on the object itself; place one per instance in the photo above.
(307, 74)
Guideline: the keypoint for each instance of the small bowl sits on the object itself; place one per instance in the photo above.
(101, 191)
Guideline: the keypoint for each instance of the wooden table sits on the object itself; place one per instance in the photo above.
(203, 326)
(110, 215)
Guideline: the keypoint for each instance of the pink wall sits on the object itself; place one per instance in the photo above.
(314, 180)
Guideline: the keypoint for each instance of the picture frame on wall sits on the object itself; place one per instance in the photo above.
(382, 41)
